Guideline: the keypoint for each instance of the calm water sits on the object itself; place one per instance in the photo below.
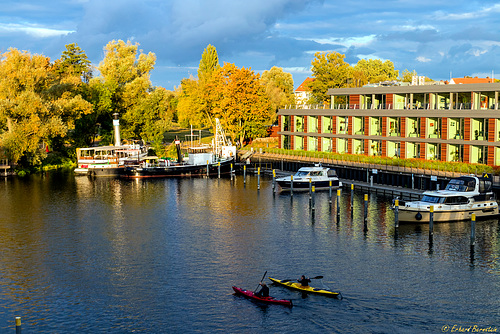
(160, 256)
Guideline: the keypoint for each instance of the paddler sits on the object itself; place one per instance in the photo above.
(304, 281)
(264, 290)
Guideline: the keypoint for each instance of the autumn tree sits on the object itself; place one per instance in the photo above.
(125, 87)
(279, 88)
(243, 106)
(34, 109)
(329, 71)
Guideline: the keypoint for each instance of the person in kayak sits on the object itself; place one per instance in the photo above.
(264, 290)
(304, 281)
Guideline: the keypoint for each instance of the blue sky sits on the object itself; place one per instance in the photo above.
(436, 38)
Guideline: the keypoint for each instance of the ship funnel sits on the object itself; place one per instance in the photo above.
(116, 126)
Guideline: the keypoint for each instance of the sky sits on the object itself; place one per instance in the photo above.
(437, 39)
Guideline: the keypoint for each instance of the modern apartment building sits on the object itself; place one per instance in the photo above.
(447, 122)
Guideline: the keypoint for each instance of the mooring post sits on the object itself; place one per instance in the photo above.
(473, 230)
(365, 228)
(396, 213)
(310, 188)
(352, 195)
(18, 325)
(431, 221)
(258, 178)
(208, 168)
(330, 189)
(244, 174)
(291, 185)
(338, 204)
(218, 169)
(274, 180)
(313, 197)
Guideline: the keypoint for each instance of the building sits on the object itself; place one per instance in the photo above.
(454, 122)
(302, 93)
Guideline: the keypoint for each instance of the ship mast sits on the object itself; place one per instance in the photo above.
(220, 139)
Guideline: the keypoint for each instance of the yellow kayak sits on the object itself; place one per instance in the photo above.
(306, 289)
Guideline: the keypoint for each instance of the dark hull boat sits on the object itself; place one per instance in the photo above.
(222, 167)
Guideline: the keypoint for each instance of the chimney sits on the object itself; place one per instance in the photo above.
(116, 126)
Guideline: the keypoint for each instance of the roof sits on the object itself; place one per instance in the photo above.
(478, 87)
(471, 80)
(303, 86)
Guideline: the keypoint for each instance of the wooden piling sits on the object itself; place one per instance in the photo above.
(258, 178)
(18, 325)
(431, 221)
(396, 213)
(365, 228)
(473, 230)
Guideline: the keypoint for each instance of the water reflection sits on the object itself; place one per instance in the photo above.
(139, 255)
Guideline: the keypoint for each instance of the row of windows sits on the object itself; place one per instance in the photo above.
(456, 127)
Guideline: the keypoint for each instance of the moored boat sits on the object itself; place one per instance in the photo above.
(267, 300)
(462, 197)
(318, 176)
(206, 160)
(307, 289)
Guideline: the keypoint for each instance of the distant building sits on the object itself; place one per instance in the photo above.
(303, 93)
(475, 80)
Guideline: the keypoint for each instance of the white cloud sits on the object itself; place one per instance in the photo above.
(33, 30)
(423, 59)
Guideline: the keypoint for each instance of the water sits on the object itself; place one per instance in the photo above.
(160, 256)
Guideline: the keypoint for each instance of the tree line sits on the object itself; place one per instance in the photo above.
(61, 105)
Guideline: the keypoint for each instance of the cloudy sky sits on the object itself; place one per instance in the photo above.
(436, 38)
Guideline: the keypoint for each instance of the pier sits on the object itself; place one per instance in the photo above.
(408, 183)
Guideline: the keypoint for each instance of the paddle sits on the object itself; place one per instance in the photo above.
(288, 280)
(264, 276)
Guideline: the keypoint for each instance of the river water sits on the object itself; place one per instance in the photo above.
(82, 255)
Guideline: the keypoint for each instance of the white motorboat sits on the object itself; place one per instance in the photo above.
(462, 197)
(306, 177)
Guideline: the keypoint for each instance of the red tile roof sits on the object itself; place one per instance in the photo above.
(471, 80)
(303, 86)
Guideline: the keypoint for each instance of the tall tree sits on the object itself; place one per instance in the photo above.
(209, 63)
(74, 62)
(124, 85)
(329, 71)
(279, 88)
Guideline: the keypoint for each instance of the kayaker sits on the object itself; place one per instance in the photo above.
(304, 281)
(264, 290)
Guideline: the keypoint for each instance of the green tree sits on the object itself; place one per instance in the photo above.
(124, 85)
(209, 63)
(372, 71)
(74, 62)
(329, 71)
(279, 88)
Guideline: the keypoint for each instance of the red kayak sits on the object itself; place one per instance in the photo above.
(267, 300)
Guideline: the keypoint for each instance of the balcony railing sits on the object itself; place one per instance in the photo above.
(398, 106)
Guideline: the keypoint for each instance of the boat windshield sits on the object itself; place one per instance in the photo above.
(461, 185)
(432, 199)
(301, 174)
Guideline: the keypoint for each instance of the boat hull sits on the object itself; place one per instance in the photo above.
(285, 184)
(265, 300)
(422, 215)
(104, 171)
(179, 170)
(306, 289)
